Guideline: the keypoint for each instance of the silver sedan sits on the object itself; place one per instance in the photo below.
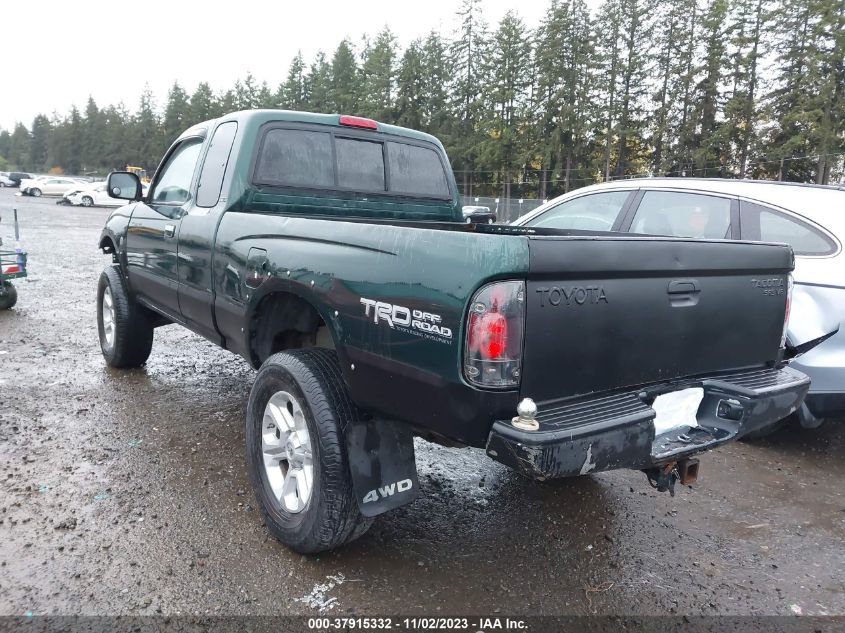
(811, 218)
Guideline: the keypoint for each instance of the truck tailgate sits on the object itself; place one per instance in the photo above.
(603, 313)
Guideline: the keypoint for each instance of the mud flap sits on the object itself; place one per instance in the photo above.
(382, 463)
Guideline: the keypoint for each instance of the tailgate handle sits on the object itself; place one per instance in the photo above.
(683, 287)
(683, 292)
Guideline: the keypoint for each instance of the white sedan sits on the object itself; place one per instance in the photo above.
(807, 217)
(93, 194)
(48, 186)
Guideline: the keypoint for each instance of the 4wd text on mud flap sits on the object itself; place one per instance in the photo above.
(388, 491)
(579, 295)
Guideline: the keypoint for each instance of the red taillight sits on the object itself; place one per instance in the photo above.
(493, 335)
(14, 268)
(358, 121)
(493, 346)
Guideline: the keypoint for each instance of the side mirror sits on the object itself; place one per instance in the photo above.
(124, 185)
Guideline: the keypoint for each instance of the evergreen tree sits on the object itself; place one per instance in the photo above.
(203, 105)
(148, 141)
(378, 77)
(343, 85)
(176, 113)
(39, 143)
(20, 147)
(747, 22)
(468, 51)
(410, 92)
(507, 93)
(5, 144)
(93, 130)
(710, 146)
(292, 94)
(435, 72)
(319, 85)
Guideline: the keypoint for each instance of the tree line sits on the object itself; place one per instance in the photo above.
(727, 88)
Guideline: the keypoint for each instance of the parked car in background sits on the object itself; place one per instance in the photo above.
(92, 194)
(49, 186)
(810, 218)
(478, 215)
(18, 176)
(5, 181)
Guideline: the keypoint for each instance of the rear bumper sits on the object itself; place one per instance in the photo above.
(617, 431)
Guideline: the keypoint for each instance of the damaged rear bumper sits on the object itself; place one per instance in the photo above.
(576, 437)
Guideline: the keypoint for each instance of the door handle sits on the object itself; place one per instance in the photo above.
(683, 292)
(169, 230)
(683, 286)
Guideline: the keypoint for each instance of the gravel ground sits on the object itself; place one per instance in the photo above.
(124, 492)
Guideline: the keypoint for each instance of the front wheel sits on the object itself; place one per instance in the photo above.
(35, 192)
(125, 328)
(8, 295)
(297, 417)
(87, 201)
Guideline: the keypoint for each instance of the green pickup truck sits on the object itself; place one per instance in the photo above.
(331, 252)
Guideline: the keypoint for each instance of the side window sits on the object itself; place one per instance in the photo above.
(296, 158)
(593, 212)
(767, 225)
(174, 183)
(683, 215)
(211, 177)
(360, 164)
(416, 170)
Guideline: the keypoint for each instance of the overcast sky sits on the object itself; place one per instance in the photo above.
(65, 51)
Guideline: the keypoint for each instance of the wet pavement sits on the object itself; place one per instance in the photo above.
(124, 492)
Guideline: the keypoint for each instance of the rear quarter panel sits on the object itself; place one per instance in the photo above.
(399, 372)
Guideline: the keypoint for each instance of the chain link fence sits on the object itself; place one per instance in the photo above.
(507, 209)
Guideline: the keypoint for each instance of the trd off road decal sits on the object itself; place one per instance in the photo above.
(418, 322)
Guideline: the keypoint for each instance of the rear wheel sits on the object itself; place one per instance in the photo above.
(87, 201)
(297, 415)
(8, 296)
(35, 192)
(125, 328)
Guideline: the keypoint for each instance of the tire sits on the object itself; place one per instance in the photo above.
(307, 383)
(9, 296)
(129, 339)
(36, 192)
(766, 431)
(87, 201)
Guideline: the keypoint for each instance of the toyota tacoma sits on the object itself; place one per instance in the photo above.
(331, 253)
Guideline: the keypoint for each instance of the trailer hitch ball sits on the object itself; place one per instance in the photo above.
(526, 411)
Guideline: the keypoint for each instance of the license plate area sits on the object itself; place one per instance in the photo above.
(677, 410)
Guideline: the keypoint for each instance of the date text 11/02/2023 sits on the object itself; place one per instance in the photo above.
(419, 623)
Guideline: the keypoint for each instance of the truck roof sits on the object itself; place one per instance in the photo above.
(258, 118)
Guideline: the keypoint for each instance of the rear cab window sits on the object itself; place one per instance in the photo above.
(337, 160)
(765, 224)
(214, 165)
